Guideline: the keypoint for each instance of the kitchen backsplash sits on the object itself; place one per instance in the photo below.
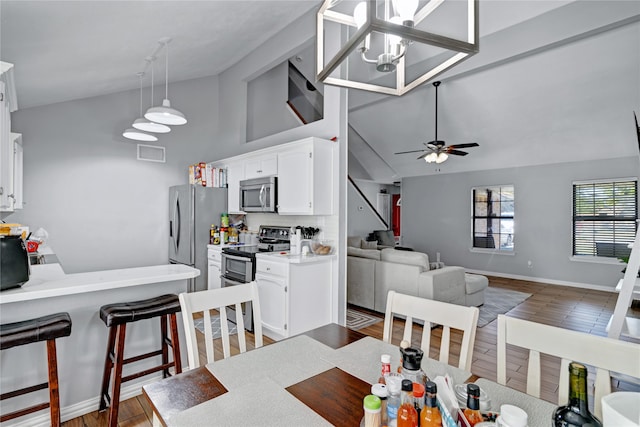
(328, 225)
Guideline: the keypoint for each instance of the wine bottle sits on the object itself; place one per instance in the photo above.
(576, 412)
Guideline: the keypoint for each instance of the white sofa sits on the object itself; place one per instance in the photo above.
(372, 273)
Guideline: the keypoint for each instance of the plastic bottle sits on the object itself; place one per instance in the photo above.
(576, 411)
(381, 391)
(418, 396)
(430, 415)
(472, 411)
(371, 405)
(512, 416)
(407, 414)
(385, 359)
(393, 401)
(224, 220)
(224, 238)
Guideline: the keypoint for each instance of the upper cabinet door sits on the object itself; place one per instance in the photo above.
(235, 174)
(306, 178)
(261, 166)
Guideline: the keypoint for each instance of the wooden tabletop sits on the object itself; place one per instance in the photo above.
(180, 392)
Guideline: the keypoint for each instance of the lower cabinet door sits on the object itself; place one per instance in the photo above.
(273, 305)
(213, 275)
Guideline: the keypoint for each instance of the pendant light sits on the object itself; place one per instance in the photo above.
(135, 133)
(144, 124)
(165, 114)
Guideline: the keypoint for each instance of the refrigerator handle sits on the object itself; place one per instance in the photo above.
(177, 216)
(170, 228)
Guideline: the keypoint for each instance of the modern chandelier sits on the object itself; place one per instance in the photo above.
(156, 119)
(387, 36)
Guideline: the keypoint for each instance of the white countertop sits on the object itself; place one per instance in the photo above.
(49, 280)
(295, 259)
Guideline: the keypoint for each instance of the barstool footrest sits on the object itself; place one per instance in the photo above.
(10, 394)
(142, 357)
(147, 372)
(25, 411)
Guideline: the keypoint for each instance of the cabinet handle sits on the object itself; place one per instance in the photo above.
(268, 268)
(259, 171)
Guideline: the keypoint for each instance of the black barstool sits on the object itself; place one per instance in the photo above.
(116, 316)
(45, 328)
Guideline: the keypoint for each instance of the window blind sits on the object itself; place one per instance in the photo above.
(604, 217)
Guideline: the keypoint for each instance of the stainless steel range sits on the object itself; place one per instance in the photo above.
(239, 263)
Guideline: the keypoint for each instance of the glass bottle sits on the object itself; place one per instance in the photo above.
(576, 411)
(385, 359)
(430, 415)
(407, 414)
(472, 411)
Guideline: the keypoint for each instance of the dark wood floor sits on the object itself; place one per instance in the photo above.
(571, 308)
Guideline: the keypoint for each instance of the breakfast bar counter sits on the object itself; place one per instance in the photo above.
(81, 355)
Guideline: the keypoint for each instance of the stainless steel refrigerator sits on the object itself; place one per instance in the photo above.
(192, 210)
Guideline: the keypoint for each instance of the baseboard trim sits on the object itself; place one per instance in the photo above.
(82, 408)
(544, 280)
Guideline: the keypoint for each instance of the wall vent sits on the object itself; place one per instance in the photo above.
(151, 153)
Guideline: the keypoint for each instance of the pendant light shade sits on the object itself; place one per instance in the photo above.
(165, 114)
(138, 135)
(149, 126)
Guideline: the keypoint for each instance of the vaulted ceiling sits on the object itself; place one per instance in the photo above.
(554, 81)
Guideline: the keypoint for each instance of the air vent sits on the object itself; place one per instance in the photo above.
(151, 153)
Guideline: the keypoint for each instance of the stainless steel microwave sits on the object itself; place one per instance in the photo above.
(259, 194)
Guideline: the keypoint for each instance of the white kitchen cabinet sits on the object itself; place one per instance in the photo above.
(258, 167)
(306, 178)
(214, 260)
(10, 144)
(235, 174)
(295, 297)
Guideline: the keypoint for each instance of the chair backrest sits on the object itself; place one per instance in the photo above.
(219, 299)
(604, 354)
(440, 313)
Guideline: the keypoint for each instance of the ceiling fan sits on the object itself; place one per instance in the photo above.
(435, 150)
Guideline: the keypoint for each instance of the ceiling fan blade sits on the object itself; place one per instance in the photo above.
(423, 156)
(470, 144)
(457, 152)
(412, 151)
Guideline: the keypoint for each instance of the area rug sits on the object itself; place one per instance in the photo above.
(498, 301)
(215, 326)
(358, 320)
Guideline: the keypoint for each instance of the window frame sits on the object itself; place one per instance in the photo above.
(594, 257)
(474, 217)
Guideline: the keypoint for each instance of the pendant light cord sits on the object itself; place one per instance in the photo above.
(151, 60)
(166, 72)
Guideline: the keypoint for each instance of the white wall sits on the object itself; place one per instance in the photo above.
(436, 211)
(103, 208)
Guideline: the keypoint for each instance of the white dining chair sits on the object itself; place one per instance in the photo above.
(604, 354)
(441, 313)
(218, 299)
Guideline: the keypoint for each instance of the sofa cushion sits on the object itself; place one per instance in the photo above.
(369, 245)
(354, 241)
(475, 283)
(364, 253)
(406, 257)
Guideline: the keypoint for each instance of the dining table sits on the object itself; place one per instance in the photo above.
(318, 378)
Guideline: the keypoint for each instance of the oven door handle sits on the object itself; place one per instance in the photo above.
(236, 257)
(233, 282)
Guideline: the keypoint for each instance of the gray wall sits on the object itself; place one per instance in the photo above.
(436, 217)
(361, 219)
(103, 208)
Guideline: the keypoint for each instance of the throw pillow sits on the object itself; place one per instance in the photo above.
(354, 241)
(369, 245)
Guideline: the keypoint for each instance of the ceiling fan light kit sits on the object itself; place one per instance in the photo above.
(398, 22)
(435, 151)
(156, 119)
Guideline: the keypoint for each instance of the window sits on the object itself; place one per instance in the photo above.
(604, 217)
(493, 217)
